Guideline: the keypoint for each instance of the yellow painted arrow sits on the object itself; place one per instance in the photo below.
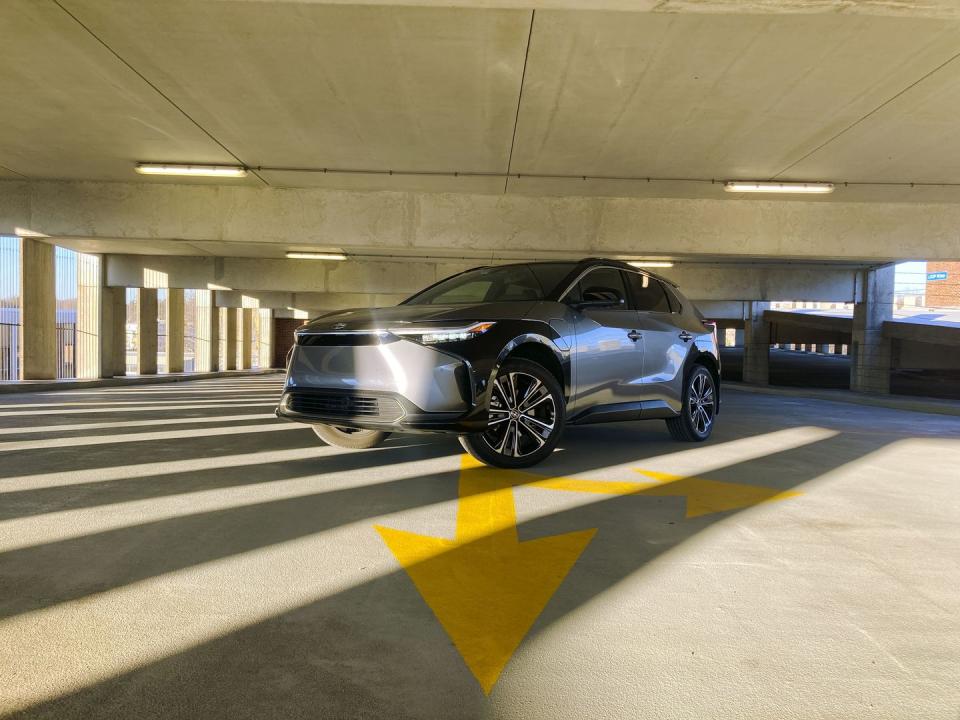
(485, 586)
(703, 496)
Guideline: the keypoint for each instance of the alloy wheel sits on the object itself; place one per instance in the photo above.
(523, 415)
(701, 402)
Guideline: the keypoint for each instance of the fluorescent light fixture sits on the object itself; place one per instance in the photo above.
(297, 255)
(778, 187)
(191, 170)
(650, 263)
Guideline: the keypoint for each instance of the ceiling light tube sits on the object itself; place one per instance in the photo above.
(778, 187)
(650, 263)
(233, 171)
(297, 255)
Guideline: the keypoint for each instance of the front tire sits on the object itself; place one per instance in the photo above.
(695, 421)
(350, 438)
(527, 416)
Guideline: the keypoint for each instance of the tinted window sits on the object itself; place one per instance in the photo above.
(491, 284)
(599, 284)
(551, 275)
(648, 293)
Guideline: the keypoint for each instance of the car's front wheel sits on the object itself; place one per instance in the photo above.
(527, 415)
(695, 421)
(350, 438)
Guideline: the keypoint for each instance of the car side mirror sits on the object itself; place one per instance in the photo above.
(600, 297)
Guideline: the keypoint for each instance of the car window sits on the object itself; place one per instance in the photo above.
(648, 293)
(490, 284)
(552, 274)
(599, 284)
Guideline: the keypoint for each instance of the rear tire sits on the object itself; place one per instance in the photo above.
(527, 416)
(350, 438)
(695, 421)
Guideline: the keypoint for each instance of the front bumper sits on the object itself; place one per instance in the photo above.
(382, 383)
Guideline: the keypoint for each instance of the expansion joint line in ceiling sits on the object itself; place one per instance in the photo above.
(516, 118)
(156, 89)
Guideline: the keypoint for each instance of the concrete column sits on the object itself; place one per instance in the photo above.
(147, 328)
(756, 344)
(870, 351)
(113, 332)
(211, 359)
(738, 338)
(38, 336)
(838, 349)
(245, 349)
(231, 337)
(175, 330)
(266, 339)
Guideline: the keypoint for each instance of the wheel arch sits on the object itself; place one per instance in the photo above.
(540, 350)
(701, 357)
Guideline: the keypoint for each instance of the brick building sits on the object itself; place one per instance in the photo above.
(945, 292)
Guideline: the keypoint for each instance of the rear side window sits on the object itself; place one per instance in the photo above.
(648, 293)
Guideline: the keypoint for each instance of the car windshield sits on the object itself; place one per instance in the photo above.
(491, 284)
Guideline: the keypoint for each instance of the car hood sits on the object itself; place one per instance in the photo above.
(400, 315)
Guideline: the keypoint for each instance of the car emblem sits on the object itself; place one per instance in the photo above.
(339, 326)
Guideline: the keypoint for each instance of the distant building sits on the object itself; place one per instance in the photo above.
(943, 284)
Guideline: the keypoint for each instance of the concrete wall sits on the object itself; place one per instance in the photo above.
(193, 216)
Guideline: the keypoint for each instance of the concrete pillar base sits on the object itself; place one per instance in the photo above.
(113, 332)
(756, 344)
(147, 330)
(175, 330)
(871, 352)
(38, 304)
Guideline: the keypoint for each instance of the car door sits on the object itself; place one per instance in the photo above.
(608, 350)
(664, 346)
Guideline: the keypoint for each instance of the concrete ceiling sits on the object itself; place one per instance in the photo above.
(866, 92)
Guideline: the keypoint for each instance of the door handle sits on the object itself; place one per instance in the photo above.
(685, 336)
(634, 335)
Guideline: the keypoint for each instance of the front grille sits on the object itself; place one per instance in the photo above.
(342, 339)
(342, 405)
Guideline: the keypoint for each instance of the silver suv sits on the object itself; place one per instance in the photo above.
(506, 357)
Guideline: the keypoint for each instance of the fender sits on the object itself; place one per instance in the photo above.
(562, 357)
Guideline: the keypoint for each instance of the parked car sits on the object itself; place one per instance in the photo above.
(506, 357)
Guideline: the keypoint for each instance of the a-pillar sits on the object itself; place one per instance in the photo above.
(756, 344)
(175, 330)
(230, 337)
(113, 331)
(245, 350)
(38, 337)
(870, 351)
(147, 327)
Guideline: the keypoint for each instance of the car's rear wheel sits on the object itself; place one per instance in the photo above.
(695, 421)
(351, 438)
(527, 415)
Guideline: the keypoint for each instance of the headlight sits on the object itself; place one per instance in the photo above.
(433, 335)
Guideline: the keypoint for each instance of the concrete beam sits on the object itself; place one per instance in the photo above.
(203, 219)
(943, 9)
(923, 332)
(300, 284)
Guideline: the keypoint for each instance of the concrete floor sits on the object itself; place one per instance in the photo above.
(175, 552)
